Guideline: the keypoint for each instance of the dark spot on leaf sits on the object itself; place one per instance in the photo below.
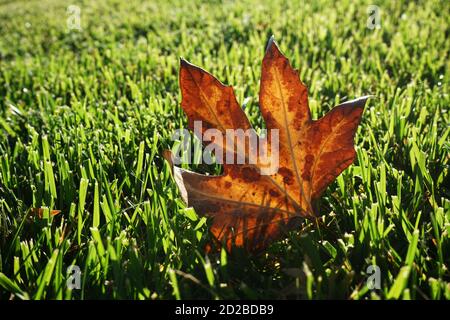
(274, 193)
(287, 175)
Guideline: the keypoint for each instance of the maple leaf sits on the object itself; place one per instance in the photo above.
(250, 209)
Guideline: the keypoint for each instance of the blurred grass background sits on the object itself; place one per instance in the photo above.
(85, 115)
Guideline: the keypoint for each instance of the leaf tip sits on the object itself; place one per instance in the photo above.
(186, 64)
(271, 43)
(360, 102)
(183, 62)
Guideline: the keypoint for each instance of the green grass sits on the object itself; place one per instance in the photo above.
(85, 116)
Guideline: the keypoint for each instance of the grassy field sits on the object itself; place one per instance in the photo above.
(85, 115)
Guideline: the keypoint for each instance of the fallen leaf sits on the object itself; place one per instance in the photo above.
(39, 212)
(250, 209)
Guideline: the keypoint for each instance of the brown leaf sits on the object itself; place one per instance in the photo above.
(250, 209)
(39, 212)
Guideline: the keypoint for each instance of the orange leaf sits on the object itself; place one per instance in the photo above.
(251, 209)
(39, 212)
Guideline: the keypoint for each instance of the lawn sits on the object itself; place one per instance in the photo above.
(85, 115)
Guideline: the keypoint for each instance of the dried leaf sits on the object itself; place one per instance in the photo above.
(250, 209)
(39, 212)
